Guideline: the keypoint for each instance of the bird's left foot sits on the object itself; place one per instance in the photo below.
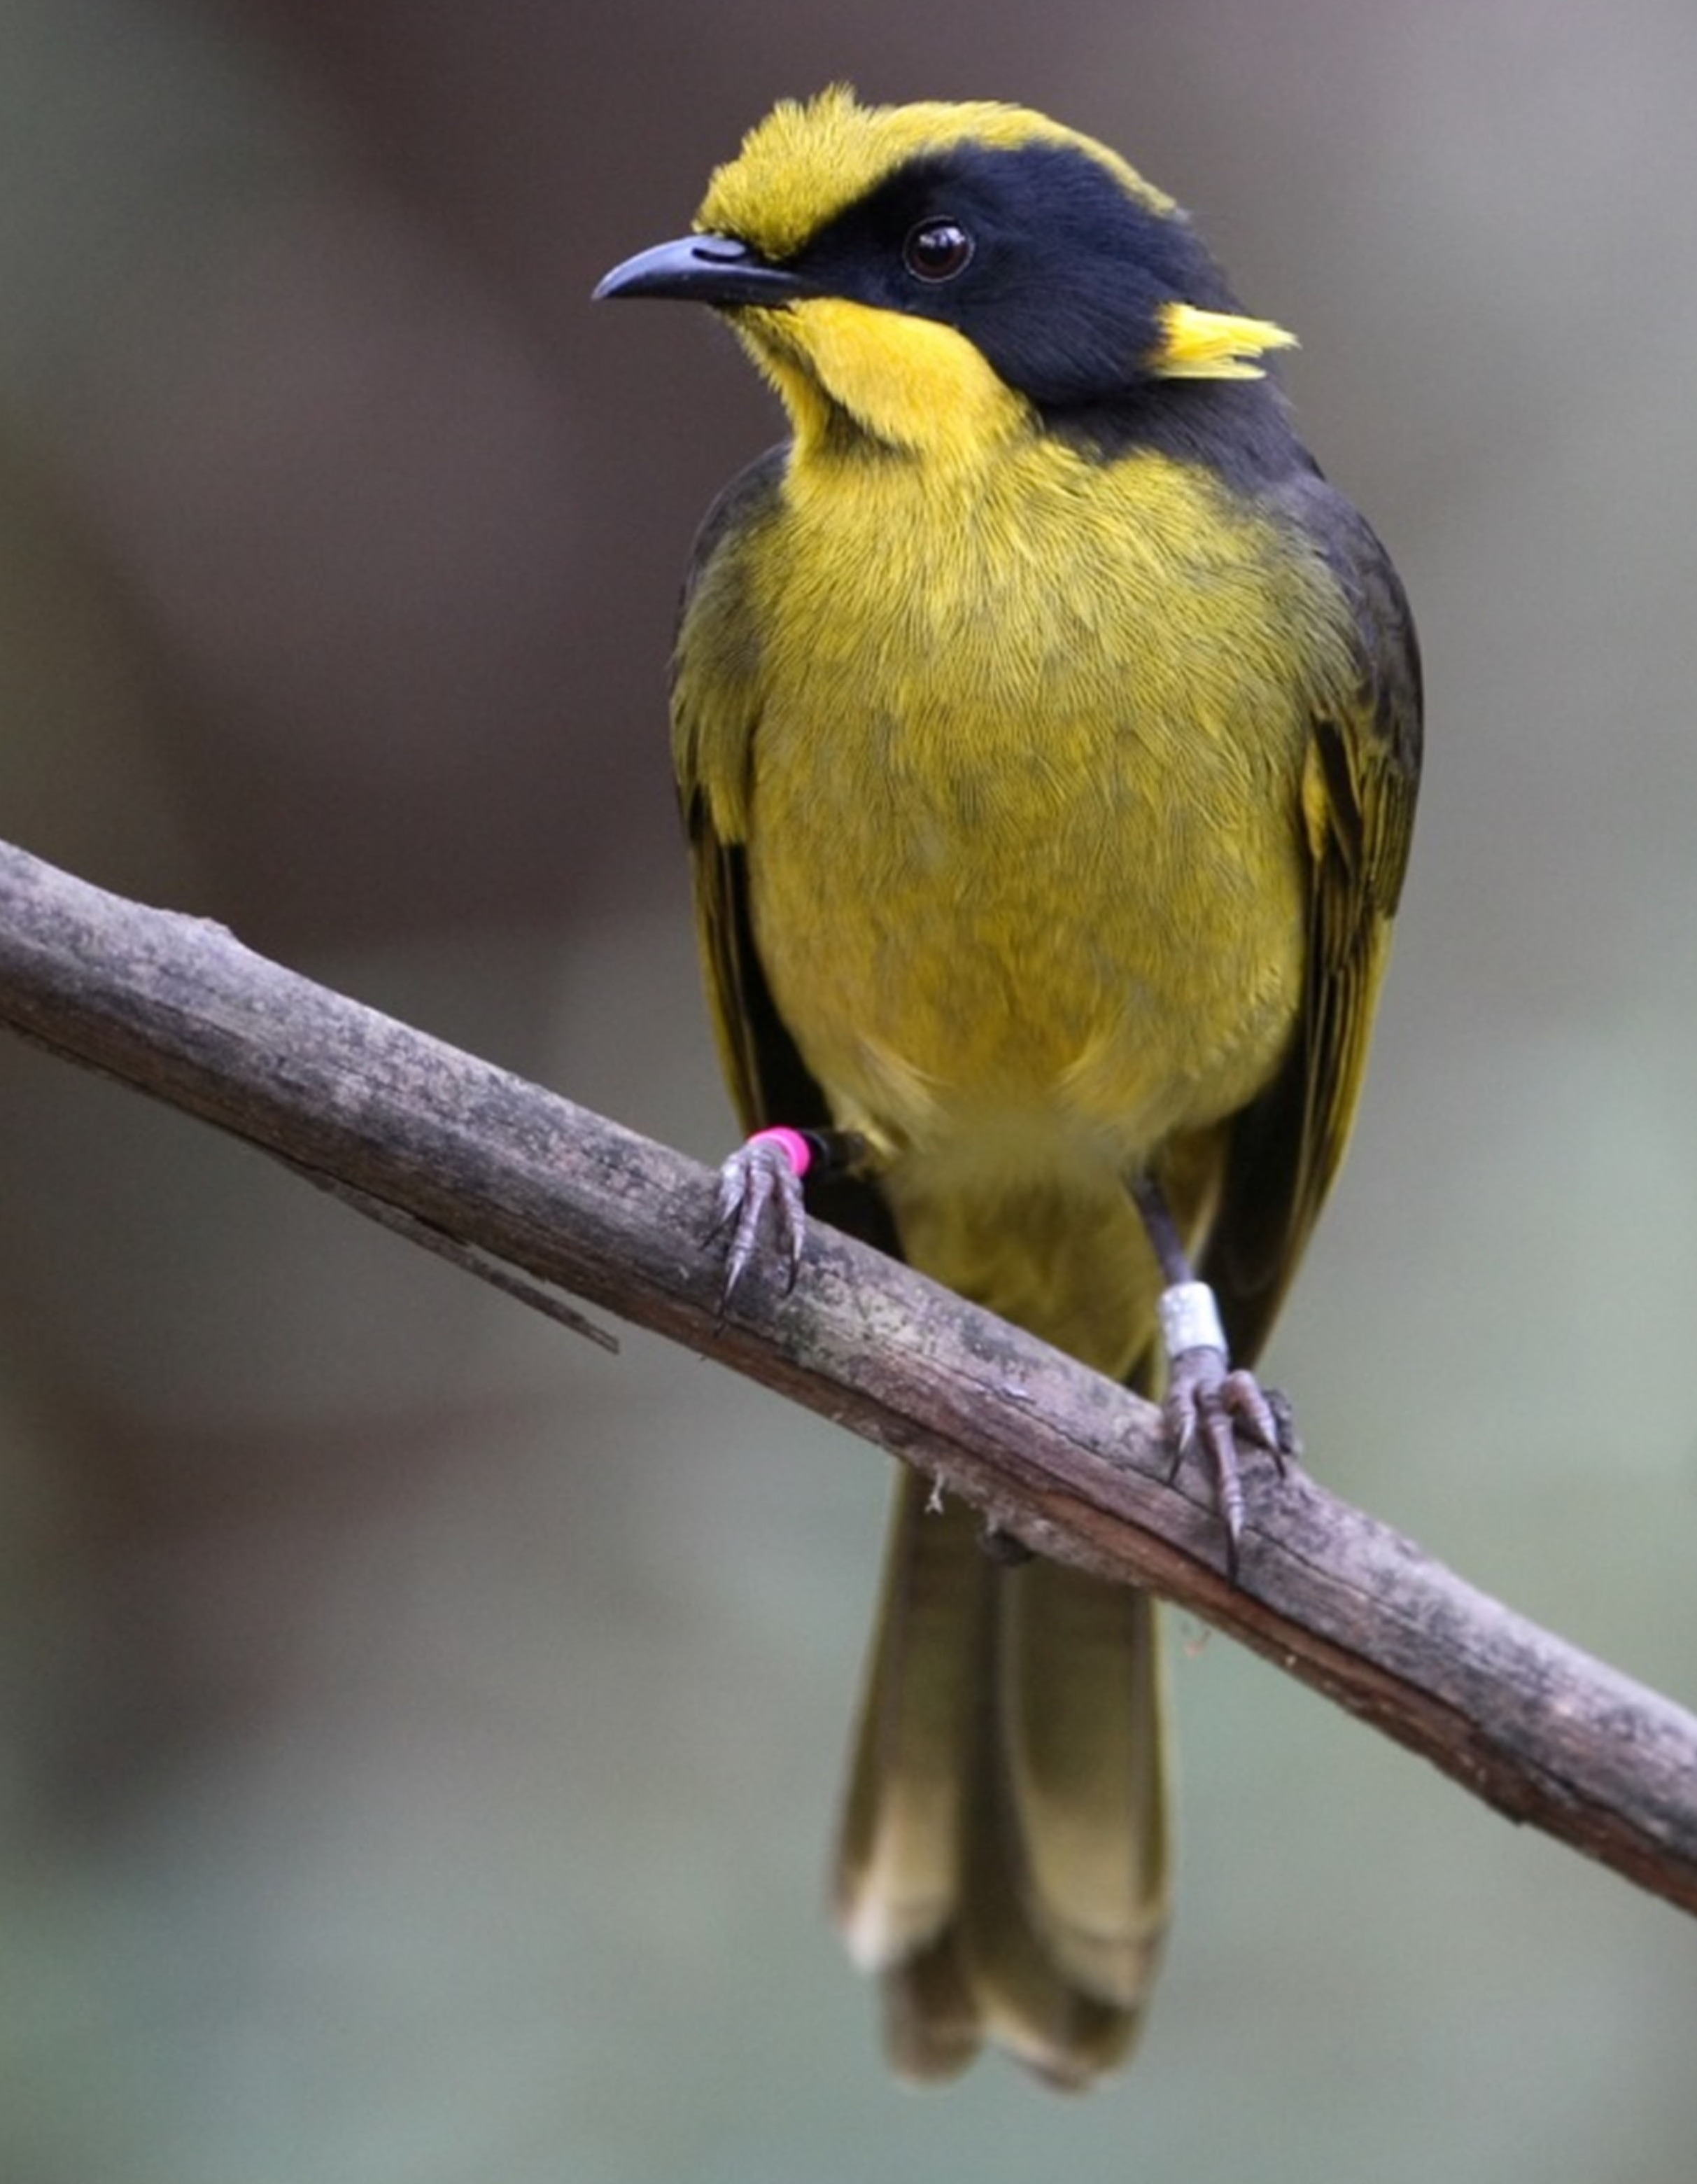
(1220, 1409)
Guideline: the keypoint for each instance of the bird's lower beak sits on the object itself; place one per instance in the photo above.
(703, 268)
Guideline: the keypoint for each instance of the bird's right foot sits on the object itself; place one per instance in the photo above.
(760, 1204)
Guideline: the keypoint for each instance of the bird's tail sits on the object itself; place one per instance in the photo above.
(1003, 1865)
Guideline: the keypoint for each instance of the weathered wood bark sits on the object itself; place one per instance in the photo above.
(1070, 1464)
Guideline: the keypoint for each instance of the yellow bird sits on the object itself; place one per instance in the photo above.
(1047, 729)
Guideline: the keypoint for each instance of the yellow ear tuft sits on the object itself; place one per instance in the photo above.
(1197, 344)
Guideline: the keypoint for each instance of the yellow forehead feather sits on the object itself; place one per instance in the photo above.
(807, 162)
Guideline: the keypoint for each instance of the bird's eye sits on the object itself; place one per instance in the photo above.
(937, 250)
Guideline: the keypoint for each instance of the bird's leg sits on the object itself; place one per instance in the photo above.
(1207, 1400)
(759, 1189)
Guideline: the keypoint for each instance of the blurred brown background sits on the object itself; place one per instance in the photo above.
(418, 1733)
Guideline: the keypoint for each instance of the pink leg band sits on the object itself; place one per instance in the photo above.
(794, 1146)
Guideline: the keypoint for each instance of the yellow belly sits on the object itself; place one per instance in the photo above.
(1024, 853)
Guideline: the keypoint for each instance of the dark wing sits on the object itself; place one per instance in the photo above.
(1358, 794)
(715, 704)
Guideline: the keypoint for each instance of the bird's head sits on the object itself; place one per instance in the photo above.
(935, 277)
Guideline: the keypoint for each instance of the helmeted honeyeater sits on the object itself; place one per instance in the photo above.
(1047, 729)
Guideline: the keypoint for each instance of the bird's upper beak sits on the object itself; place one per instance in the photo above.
(704, 268)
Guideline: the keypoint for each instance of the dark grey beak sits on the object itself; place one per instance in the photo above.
(703, 268)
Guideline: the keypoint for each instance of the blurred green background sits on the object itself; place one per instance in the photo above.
(419, 1734)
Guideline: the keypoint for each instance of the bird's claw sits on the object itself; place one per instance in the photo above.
(1210, 1404)
(760, 1191)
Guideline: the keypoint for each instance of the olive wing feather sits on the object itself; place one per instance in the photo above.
(1361, 774)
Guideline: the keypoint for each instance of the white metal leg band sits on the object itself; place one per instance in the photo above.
(1190, 1319)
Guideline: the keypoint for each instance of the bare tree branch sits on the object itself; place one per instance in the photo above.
(1050, 1452)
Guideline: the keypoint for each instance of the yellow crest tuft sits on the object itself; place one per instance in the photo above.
(809, 160)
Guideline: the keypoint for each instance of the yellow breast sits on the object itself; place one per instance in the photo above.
(1023, 822)
(1015, 749)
